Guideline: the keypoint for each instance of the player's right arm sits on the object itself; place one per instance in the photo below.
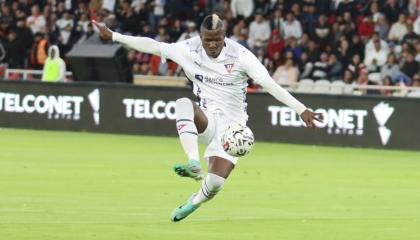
(144, 44)
(141, 44)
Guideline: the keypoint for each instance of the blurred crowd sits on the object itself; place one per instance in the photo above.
(356, 41)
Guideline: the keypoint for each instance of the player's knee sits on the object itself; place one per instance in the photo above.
(183, 102)
(184, 109)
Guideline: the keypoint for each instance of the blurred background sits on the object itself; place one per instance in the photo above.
(343, 46)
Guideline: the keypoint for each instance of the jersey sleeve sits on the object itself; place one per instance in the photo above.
(253, 67)
(255, 70)
(172, 51)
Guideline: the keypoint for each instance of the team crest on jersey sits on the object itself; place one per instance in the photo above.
(229, 67)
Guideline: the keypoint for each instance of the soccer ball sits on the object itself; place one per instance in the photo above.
(238, 140)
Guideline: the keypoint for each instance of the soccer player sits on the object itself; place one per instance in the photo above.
(219, 69)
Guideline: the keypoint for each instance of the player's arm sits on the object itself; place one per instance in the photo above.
(260, 75)
(141, 44)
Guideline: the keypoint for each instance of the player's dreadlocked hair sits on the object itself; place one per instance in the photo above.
(212, 22)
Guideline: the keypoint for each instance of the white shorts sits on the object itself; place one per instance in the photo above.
(212, 136)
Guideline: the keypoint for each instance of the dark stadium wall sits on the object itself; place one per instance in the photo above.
(361, 121)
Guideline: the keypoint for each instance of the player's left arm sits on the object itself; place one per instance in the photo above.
(260, 75)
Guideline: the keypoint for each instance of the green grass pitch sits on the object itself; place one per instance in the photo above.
(70, 185)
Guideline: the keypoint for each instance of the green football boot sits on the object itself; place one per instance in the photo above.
(190, 169)
(184, 210)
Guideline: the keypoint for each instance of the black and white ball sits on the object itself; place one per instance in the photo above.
(238, 140)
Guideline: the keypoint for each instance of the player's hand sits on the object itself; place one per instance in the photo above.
(310, 117)
(105, 33)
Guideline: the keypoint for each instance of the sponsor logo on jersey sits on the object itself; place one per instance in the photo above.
(229, 67)
(212, 80)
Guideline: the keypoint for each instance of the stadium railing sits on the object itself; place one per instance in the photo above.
(28, 74)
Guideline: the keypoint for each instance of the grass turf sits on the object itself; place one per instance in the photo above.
(67, 185)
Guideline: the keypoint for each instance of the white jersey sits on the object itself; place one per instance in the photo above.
(219, 83)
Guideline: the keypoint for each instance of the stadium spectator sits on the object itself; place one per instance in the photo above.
(321, 33)
(54, 67)
(262, 6)
(416, 25)
(286, 74)
(410, 37)
(291, 27)
(309, 16)
(36, 21)
(357, 46)
(196, 15)
(382, 27)
(83, 23)
(259, 32)
(313, 51)
(376, 37)
(320, 68)
(12, 51)
(260, 54)
(335, 68)
(304, 66)
(24, 39)
(38, 52)
(294, 48)
(295, 9)
(65, 21)
(410, 67)
(276, 44)
(190, 32)
(390, 68)
(176, 30)
(242, 8)
(346, 6)
(374, 12)
(392, 10)
(418, 50)
(90, 36)
(276, 19)
(398, 29)
(366, 28)
(376, 57)
(343, 52)
(355, 65)
(348, 76)
(6, 16)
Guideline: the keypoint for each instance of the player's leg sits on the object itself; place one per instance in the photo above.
(190, 120)
(219, 170)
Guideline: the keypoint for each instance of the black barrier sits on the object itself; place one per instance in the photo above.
(118, 108)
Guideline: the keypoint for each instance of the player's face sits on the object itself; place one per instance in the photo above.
(213, 42)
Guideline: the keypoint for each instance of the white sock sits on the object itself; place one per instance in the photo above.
(186, 127)
(211, 185)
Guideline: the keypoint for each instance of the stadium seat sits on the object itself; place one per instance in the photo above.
(348, 89)
(414, 94)
(305, 86)
(322, 86)
(337, 87)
